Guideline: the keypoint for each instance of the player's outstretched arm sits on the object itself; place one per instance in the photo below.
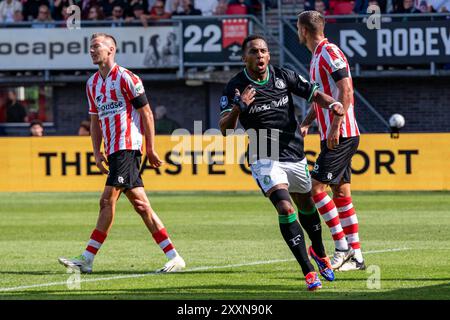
(96, 137)
(149, 132)
(306, 123)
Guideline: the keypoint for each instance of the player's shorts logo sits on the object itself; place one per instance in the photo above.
(266, 180)
(120, 179)
(329, 176)
(280, 84)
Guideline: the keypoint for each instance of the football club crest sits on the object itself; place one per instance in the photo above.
(280, 84)
(223, 101)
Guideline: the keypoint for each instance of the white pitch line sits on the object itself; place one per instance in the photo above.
(50, 284)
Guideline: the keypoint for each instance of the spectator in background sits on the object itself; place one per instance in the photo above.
(31, 9)
(117, 16)
(319, 6)
(362, 5)
(15, 112)
(342, 7)
(85, 128)
(108, 6)
(188, 9)
(221, 8)
(95, 14)
(440, 6)
(407, 7)
(424, 7)
(158, 12)
(36, 128)
(57, 10)
(44, 19)
(207, 7)
(163, 124)
(18, 16)
(237, 7)
(174, 6)
(8, 9)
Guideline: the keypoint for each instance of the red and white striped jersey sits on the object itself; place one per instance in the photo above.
(110, 99)
(327, 59)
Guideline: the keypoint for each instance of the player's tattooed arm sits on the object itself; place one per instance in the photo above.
(96, 137)
(306, 123)
(149, 132)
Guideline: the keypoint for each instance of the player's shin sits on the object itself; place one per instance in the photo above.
(94, 244)
(293, 235)
(162, 239)
(310, 221)
(329, 213)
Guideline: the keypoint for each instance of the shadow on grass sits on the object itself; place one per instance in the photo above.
(217, 292)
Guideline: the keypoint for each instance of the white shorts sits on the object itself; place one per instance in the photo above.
(269, 173)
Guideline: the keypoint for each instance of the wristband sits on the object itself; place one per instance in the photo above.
(241, 104)
(330, 107)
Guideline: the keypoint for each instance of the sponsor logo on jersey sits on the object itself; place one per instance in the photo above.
(223, 101)
(109, 108)
(338, 63)
(139, 89)
(274, 104)
(280, 84)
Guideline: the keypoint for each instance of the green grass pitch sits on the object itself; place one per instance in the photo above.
(231, 244)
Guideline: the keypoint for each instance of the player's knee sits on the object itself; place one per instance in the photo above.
(141, 207)
(106, 203)
(282, 201)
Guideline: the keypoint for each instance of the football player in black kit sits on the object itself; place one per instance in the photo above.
(260, 97)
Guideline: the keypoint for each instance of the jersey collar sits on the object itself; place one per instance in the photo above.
(109, 73)
(258, 82)
(320, 45)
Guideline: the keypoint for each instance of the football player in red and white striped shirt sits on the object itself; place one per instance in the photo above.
(339, 141)
(120, 116)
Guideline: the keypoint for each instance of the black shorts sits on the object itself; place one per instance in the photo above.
(334, 166)
(124, 169)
